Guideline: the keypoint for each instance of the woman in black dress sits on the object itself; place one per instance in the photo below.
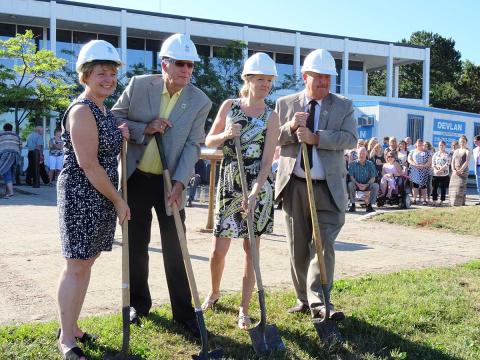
(88, 200)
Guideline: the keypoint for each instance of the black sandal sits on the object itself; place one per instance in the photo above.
(84, 339)
(74, 353)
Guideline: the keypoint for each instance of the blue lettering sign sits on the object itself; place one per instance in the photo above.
(449, 126)
(365, 132)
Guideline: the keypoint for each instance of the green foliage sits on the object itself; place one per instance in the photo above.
(34, 83)
(427, 314)
(453, 84)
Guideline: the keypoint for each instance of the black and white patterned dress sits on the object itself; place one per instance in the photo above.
(230, 220)
(87, 218)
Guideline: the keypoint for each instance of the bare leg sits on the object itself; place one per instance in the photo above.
(76, 329)
(220, 246)
(50, 175)
(415, 194)
(248, 281)
(73, 283)
(423, 193)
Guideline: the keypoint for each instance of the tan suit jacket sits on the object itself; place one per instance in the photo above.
(140, 104)
(337, 132)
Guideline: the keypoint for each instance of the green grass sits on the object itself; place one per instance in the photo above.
(460, 220)
(422, 314)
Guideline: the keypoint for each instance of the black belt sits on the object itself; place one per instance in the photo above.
(147, 175)
(314, 181)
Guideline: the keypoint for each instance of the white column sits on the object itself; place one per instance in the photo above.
(52, 125)
(389, 72)
(123, 40)
(296, 57)
(44, 125)
(187, 27)
(245, 40)
(53, 27)
(426, 78)
(396, 82)
(365, 79)
(345, 57)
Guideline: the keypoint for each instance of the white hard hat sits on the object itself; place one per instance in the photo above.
(259, 63)
(179, 47)
(97, 50)
(320, 61)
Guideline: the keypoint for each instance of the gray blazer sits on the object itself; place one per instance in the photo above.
(338, 131)
(140, 104)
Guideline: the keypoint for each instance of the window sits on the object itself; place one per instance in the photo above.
(112, 39)
(476, 129)
(65, 48)
(7, 31)
(355, 77)
(37, 33)
(415, 127)
(203, 50)
(135, 52)
(284, 63)
(151, 54)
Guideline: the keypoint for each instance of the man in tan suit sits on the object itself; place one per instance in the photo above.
(169, 105)
(325, 122)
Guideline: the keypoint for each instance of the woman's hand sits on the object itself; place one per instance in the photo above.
(122, 210)
(249, 205)
(232, 131)
(125, 132)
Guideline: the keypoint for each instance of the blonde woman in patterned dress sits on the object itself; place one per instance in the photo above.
(257, 125)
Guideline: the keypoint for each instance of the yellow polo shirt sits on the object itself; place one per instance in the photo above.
(150, 162)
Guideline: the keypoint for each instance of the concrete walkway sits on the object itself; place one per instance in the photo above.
(30, 260)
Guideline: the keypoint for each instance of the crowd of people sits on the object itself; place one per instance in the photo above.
(431, 173)
(169, 107)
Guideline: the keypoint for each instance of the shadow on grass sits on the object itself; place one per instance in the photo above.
(363, 340)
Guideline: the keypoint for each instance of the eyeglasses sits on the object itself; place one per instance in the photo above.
(181, 63)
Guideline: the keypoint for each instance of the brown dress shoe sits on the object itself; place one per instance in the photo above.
(319, 312)
(299, 308)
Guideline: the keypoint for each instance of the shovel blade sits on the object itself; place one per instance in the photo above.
(216, 354)
(266, 339)
(327, 330)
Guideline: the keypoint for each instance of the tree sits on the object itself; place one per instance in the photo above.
(445, 68)
(34, 84)
(220, 77)
(468, 87)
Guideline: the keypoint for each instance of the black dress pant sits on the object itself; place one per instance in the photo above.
(442, 182)
(34, 165)
(145, 192)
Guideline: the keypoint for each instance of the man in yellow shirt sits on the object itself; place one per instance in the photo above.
(170, 105)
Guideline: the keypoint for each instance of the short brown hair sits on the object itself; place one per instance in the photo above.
(87, 68)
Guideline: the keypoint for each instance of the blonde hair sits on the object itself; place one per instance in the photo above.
(87, 69)
(245, 87)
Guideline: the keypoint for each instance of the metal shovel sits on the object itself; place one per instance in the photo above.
(265, 338)
(326, 328)
(203, 354)
(123, 355)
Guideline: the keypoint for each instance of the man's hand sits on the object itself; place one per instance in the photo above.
(362, 187)
(124, 130)
(157, 126)
(176, 195)
(299, 120)
(305, 135)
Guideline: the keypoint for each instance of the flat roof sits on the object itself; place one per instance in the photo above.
(220, 22)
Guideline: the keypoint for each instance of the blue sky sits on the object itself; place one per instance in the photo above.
(371, 19)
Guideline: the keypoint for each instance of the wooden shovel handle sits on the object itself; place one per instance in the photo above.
(317, 237)
(251, 232)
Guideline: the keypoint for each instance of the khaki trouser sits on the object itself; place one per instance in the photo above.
(303, 259)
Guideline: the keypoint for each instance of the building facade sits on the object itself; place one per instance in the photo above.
(138, 35)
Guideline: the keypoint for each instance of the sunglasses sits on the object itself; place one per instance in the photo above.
(181, 64)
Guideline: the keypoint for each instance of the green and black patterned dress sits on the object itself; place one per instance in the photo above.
(230, 220)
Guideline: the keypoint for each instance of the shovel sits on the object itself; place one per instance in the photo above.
(203, 354)
(123, 355)
(265, 338)
(326, 328)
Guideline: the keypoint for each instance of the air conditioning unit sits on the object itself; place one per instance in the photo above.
(365, 120)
